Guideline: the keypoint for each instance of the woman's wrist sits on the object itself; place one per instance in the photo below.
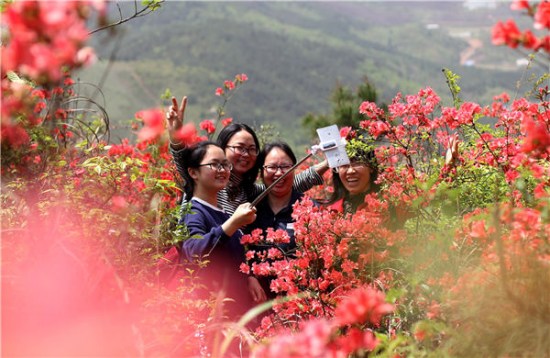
(321, 167)
(176, 145)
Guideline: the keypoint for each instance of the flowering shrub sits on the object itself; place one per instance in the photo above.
(492, 193)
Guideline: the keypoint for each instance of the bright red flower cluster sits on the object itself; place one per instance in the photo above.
(46, 37)
(338, 337)
(507, 33)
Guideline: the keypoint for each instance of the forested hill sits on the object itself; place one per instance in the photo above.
(294, 54)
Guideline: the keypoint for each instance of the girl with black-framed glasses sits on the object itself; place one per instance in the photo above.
(214, 235)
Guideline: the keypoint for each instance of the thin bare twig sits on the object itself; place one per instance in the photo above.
(137, 13)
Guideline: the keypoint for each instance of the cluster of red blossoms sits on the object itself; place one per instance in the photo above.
(507, 33)
(45, 40)
(340, 337)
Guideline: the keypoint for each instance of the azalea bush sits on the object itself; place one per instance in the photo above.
(447, 172)
(85, 223)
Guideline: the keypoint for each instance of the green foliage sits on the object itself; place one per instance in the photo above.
(152, 4)
(345, 107)
(452, 82)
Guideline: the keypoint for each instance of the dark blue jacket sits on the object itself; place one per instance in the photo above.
(224, 253)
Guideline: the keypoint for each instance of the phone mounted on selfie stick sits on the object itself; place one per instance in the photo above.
(331, 144)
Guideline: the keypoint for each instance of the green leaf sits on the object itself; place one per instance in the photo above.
(14, 77)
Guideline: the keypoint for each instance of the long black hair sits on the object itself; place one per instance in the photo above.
(276, 144)
(225, 135)
(193, 157)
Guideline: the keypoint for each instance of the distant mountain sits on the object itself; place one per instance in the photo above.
(295, 53)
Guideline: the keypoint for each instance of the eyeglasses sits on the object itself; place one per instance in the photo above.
(354, 165)
(272, 169)
(242, 150)
(218, 166)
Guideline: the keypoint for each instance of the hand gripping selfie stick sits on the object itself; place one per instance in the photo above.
(331, 144)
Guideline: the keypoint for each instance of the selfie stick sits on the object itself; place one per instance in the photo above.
(334, 149)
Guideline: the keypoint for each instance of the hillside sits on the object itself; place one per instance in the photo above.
(294, 53)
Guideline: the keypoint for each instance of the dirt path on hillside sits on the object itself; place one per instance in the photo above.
(467, 54)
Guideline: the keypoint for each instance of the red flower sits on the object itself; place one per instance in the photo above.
(370, 110)
(86, 56)
(241, 78)
(39, 107)
(229, 85)
(537, 137)
(14, 135)
(506, 34)
(542, 16)
(188, 134)
(208, 126)
(219, 91)
(520, 5)
(419, 334)
(530, 41)
(153, 120)
(68, 81)
(227, 121)
(345, 131)
(545, 43)
(362, 305)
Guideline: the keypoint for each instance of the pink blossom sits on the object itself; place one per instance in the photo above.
(241, 77)
(229, 85)
(153, 121)
(86, 56)
(345, 131)
(244, 268)
(187, 134)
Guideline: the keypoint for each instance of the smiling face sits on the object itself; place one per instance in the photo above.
(274, 159)
(355, 177)
(241, 162)
(210, 178)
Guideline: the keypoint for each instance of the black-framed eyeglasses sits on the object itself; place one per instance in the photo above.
(354, 165)
(254, 151)
(272, 169)
(218, 166)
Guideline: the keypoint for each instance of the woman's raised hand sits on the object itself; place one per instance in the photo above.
(174, 118)
(244, 214)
